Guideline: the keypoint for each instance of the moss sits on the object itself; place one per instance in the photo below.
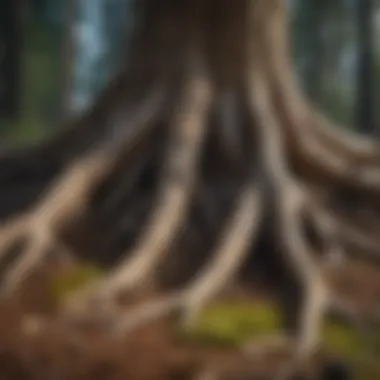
(342, 339)
(231, 324)
(63, 285)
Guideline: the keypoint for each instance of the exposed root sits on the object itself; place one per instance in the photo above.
(149, 312)
(178, 181)
(229, 256)
(232, 249)
(365, 150)
(37, 249)
(68, 198)
(334, 253)
(334, 163)
(356, 240)
(348, 144)
(345, 234)
(11, 236)
(291, 199)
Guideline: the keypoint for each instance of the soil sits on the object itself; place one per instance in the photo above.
(30, 350)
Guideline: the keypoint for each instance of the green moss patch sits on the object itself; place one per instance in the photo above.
(230, 324)
(67, 283)
(342, 340)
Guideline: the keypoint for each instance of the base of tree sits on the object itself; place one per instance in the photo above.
(210, 157)
(31, 348)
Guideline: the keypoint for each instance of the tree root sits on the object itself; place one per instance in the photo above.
(229, 256)
(357, 241)
(346, 237)
(233, 248)
(67, 200)
(178, 181)
(352, 161)
(291, 199)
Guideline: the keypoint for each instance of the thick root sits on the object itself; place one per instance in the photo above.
(291, 200)
(12, 237)
(169, 216)
(350, 161)
(37, 249)
(352, 146)
(68, 199)
(230, 254)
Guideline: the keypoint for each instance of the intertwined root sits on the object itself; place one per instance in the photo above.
(177, 184)
(67, 200)
(324, 149)
(232, 248)
(291, 199)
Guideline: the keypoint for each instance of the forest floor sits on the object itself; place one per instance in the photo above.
(54, 351)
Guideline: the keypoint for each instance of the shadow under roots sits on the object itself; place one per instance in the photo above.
(222, 174)
(119, 206)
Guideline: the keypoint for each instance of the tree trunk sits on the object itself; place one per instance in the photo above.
(206, 141)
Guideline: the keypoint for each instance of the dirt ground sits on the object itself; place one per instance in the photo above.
(54, 351)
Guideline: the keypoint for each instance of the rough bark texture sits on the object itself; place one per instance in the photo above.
(202, 154)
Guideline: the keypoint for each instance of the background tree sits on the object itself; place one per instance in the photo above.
(101, 40)
(68, 55)
(365, 78)
(11, 44)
